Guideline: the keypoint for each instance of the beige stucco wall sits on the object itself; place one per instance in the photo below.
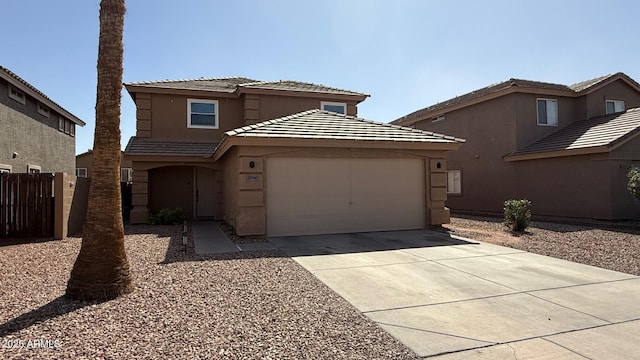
(272, 106)
(36, 142)
(617, 90)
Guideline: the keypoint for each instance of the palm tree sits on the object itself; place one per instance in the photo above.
(101, 271)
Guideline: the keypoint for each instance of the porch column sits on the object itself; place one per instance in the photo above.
(140, 197)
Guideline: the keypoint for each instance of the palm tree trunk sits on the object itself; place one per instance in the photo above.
(101, 271)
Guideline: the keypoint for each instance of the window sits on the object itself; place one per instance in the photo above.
(81, 172)
(17, 95)
(5, 168)
(614, 106)
(547, 112)
(454, 182)
(438, 118)
(72, 129)
(202, 114)
(60, 123)
(67, 126)
(336, 107)
(43, 110)
(34, 169)
(126, 174)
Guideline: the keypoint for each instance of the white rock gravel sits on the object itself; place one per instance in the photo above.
(238, 306)
(614, 246)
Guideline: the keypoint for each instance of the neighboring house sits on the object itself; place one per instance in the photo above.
(84, 163)
(258, 156)
(38, 135)
(565, 148)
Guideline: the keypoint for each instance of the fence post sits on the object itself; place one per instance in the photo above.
(64, 187)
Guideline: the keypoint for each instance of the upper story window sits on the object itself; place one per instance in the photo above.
(43, 110)
(336, 107)
(5, 168)
(17, 95)
(61, 123)
(202, 114)
(438, 118)
(548, 112)
(81, 172)
(614, 106)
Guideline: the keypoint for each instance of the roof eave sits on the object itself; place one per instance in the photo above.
(557, 153)
(300, 93)
(229, 141)
(59, 109)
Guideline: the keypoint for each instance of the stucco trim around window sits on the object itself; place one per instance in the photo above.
(614, 106)
(202, 114)
(43, 110)
(34, 169)
(17, 95)
(4, 168)
(454, 182)
(334, 107)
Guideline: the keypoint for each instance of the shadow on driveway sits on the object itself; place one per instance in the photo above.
(363, 242)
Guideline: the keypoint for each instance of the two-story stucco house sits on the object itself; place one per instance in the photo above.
(38, 135)
(281, 158)
(567, 148)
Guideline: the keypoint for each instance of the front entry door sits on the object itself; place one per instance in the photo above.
(204, 192)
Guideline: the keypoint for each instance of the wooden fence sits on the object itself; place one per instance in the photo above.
(26, 205)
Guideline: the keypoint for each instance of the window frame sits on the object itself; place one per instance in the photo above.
(459, 171)
(43, 110)
(5, 168)
(333, 103)
(216, 113)
(85, 172)
(61, 121)
(17, 95)
(129, 174)
(439, 118)
(72, 129)
(547, 100)
(34, 169)
(614, 106)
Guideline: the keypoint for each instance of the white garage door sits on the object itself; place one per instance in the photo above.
(328, 195)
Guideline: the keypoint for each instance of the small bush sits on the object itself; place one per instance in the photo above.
(634, 182)
(168, 216)
(517, 214)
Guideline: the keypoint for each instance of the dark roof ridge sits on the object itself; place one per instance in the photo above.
(165, 81)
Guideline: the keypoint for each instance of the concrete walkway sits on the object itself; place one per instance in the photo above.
(452, 298)
(209, 238)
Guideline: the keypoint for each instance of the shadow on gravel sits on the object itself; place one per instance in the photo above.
(364, 242)
(57, 307)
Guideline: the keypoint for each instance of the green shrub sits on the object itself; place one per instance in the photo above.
(168, 216)
(634, 182)
(517, 214)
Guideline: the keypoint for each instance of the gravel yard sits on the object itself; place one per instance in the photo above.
(249, 306)
(606, 245)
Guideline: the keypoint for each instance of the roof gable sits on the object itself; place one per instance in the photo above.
(23, 85)
(510, 86)
(598, 134)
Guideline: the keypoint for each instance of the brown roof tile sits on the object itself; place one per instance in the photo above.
(594, 132)
(161, 147)
(319, 124)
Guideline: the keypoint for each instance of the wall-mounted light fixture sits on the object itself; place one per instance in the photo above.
(14, 155)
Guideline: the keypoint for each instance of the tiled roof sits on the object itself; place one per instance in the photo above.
(163, 147)
(226, 85)
(594, 132)
(320, 124)
(571, 90)
(233, 84)
(10, 75)
(290, 85)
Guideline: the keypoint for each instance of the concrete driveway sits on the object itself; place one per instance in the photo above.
(453, 298)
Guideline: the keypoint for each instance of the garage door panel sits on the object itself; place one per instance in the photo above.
(333, 195)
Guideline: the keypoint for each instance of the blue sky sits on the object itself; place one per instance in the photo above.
(405, 54)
